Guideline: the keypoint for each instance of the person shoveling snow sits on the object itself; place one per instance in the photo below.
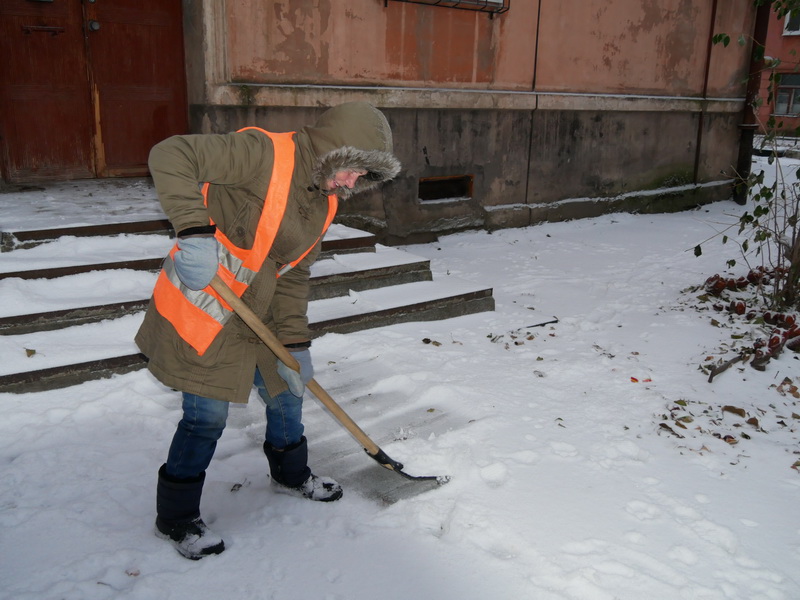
(263, 250)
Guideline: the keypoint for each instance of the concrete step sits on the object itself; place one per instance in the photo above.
(145, 264)
(419, 301)
(17, 240)
(338, 238)
(71, 317)
(46, 360)
(69, 254)
(337, 275)
(72, 255)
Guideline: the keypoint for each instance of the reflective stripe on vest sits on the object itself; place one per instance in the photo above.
(199, 315)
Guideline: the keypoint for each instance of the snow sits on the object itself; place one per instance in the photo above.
(62, 252)
(383, 256)
(83, 343)
(30, 296)
(396, 296)
(79, 203)
(564, 484)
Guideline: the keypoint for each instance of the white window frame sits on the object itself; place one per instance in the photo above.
(790, 90)
(787, 21)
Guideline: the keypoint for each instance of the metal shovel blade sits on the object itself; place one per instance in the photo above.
(388, 463)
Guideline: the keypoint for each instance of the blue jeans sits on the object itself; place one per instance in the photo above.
(204, 420)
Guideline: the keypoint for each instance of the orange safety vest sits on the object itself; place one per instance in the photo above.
(199, 315)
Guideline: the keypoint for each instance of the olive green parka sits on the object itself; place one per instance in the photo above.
(238, 166)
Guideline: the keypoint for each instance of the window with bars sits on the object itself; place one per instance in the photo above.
(787, 98)
(493, 7)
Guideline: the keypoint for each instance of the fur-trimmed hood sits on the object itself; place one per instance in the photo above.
(354, 135)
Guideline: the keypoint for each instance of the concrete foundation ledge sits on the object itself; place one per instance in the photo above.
(642, 202)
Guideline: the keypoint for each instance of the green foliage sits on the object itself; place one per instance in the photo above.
(722, 38)
(770, 226)
(770, 230)
(780, 7)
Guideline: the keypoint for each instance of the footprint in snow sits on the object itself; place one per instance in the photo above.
(748, 523)
(495, 474)
(643, 510)
(683, 555)
(563, 449)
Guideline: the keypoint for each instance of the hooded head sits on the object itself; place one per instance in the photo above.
(354, 136)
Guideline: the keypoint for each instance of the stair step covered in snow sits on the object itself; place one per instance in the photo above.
(335, 275)
(73, 254)
(47, 359)
(339, 237)
(79, 261)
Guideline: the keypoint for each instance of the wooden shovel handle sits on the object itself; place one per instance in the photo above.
(266, 336)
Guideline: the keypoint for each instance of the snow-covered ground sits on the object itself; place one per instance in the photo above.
(565, 483)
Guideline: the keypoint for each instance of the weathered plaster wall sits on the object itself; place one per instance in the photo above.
(557, 109)
(601, 153)
(728, 67)
(623, 47)
(641, 47)
(365, 43)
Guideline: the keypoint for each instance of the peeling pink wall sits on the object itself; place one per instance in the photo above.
(594, 46)
(363, 43)
(642, 47)
(728, 68)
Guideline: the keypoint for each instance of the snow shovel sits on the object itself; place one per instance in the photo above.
(266, 336)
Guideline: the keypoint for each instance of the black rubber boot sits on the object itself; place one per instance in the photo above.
(291, 475)
(178, 520)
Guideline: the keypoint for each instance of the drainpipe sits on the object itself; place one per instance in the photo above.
(749, 124)
(533, 112)
(701, 121)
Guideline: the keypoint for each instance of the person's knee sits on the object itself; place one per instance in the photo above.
(285, 402)
(204, 413)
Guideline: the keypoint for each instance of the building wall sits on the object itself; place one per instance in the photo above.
(785, 48)
(275, 41)
(556, 109)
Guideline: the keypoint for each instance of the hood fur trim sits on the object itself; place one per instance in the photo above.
(381, 166)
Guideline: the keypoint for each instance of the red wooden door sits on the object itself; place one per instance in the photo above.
(91, 86)
(137, 79)
(45, 107)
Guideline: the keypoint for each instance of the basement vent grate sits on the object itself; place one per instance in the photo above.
(451, 188)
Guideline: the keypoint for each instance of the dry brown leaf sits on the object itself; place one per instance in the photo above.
(735, 410)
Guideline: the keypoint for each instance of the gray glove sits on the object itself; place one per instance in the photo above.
(196, 261)
(297, 381)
